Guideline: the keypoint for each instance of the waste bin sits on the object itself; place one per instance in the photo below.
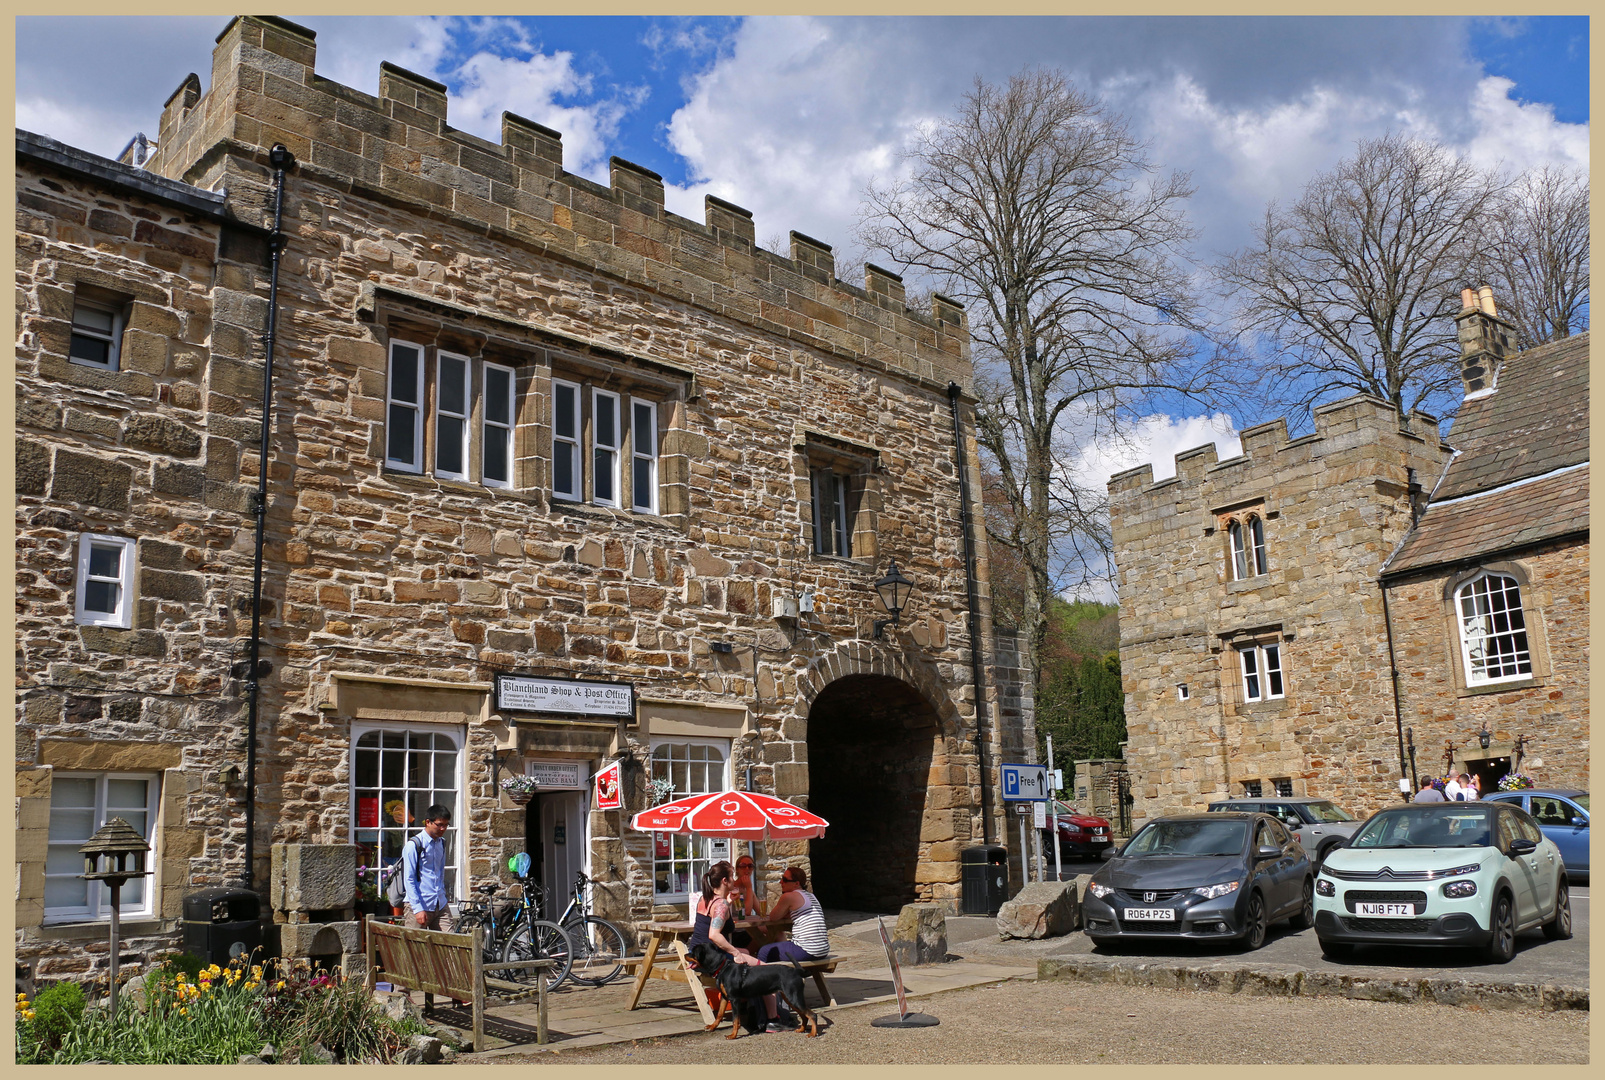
(222, 923)
(985, 876)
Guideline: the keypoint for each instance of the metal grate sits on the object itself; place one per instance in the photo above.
(1137, 896)
(1388, 926)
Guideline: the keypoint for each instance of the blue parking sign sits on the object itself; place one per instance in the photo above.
(1025, 783)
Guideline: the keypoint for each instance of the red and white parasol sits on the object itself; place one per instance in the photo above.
(741, 815)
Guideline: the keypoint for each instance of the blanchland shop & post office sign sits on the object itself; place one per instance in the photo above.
(564, 697)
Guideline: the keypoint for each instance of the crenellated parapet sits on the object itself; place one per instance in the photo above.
(399, 147)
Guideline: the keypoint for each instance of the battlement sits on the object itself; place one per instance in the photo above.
(1352, 423)
(399, 146)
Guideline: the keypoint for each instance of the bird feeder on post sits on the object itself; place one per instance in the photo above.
(117, 842)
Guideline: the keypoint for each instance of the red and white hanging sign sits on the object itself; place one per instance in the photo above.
(608, 793)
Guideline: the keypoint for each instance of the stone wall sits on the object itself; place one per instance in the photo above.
(1333, 505)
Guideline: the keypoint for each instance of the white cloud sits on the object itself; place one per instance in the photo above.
(1156, 440)
(1521, 135)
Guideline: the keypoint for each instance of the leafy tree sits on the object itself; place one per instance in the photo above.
(1081, 703)
(1535, 256)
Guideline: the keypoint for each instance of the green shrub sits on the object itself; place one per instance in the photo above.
(56, 1012)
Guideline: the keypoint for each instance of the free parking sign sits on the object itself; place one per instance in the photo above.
(1025, 783)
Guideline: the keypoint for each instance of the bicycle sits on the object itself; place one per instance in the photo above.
(514, 933)
(599, 947)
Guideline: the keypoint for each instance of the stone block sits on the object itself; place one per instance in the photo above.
(319, 939)
(33, 467)
(313, 877)
(1041, 909)
(91, 481)
(921, 935)
(161, 435)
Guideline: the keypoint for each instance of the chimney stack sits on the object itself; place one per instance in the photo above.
(1484, 339)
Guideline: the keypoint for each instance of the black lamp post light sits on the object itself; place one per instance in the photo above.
(1485, 736)
(893, 589)
(118, 842)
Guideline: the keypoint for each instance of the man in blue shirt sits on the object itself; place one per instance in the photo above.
(424, 869)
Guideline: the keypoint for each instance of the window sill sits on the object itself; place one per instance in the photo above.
(592, 511)
(1268, 705)
(1259, 581)
(843, 560)
(96, 930)
(419, 482)
(1501, 687)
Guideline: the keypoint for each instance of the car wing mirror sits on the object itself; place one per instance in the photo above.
(1108, 852)
(1267, 851)
(1522, 846)
(1579, 823)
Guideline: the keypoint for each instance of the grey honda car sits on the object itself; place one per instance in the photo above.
(1320, 825)
(1224, 876)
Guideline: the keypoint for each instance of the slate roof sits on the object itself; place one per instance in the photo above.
(1516, 480)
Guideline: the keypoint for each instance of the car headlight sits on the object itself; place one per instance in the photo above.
(1100, 891)
(1209, 892)
(1324, 887)
(1459, 890)
(1469, 868)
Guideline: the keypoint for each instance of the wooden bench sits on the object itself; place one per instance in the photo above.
(453, 966)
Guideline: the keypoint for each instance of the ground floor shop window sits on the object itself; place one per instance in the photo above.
(694, 767)
(397, 773)
(80, 803)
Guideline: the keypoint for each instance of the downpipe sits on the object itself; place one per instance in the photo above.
(977, 675)
(281, 159)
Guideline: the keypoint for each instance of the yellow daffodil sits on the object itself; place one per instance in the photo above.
(27, 1014)
(279, 985)
(22, 997)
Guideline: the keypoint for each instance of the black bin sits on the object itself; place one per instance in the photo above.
(985, 876)
(222, 923)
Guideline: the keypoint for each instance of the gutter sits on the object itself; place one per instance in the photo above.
(977, 677)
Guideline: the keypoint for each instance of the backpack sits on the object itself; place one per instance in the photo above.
(394, 882)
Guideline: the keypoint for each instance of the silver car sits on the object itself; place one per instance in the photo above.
(1320, 825)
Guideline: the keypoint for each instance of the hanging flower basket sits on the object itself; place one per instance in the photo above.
(1515, 782)
(521, 789)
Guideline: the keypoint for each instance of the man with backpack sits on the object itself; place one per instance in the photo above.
(423, 870)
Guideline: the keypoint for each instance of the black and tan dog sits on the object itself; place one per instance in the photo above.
(741, 983)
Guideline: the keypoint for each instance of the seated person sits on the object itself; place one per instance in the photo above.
(808, 938)
(715, 918)
(744, 899)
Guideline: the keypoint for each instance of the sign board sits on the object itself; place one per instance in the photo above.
(897, 972)
(608, 795)
(567, 697)
(557, 775)
(1022, 808)
(1058, 779)
(1025, 782)
(718, 849)
(368, 812)
(1039, 814)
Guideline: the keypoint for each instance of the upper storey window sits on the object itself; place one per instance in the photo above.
(1247, 537)
(605, 446)
(450, 415)
(97, 329)
(1493, 630)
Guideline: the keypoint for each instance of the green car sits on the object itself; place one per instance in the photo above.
(1472, 874)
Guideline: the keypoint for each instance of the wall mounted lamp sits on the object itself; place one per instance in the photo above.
(1485, 736)
(893, 589)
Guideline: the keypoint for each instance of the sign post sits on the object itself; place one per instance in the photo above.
(1056, 781)
(1025, 784)
(904, 1018)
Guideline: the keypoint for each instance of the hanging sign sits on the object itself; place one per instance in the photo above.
(569, 697)
(608, 795)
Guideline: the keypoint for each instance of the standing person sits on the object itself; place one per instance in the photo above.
(1451, 789)
(423, 869)
(808, 938)
(1470, 787)
(1429, 792)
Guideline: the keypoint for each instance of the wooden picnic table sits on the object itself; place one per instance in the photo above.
(676, 967)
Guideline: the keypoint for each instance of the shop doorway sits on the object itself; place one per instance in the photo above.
(557, 836)
(870, 743)
(1489, 771)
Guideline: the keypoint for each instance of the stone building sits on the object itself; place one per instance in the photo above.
(1266, 600)
(555, 478)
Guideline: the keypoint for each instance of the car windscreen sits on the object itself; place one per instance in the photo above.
(1325, 811)
(1426, 826)
(1192, 837)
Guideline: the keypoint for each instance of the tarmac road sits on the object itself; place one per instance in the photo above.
(1059, 1023)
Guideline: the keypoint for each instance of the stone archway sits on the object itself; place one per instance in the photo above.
(871, 740)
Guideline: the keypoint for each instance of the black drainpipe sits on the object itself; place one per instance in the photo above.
(281, 159)
(1393, 675)
(977, 679)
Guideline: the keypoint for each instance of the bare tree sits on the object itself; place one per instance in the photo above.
(1354, 286)
(1041, 212)
(1535, 255)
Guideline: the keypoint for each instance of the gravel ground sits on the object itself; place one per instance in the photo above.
(1067, 1023)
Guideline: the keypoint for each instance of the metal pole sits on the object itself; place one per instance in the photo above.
(1053, 816)
(1025, 856)
(116, 903)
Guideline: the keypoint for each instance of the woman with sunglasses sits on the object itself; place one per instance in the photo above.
(808, 938)
(744, 899)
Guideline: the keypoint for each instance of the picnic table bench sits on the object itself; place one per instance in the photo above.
(452, 965)
(658, 963)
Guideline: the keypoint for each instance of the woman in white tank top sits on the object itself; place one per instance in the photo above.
(809, 940)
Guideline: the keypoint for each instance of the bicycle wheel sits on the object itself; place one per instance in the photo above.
(539, 940)
(599, 951)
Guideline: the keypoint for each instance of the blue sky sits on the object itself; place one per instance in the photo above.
(792, 116)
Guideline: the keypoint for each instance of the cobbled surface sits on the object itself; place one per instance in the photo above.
(1069, 1023)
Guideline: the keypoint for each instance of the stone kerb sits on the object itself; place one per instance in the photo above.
(399, 145)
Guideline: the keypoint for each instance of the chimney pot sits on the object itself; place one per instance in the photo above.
(1485, 301)
(1468, 299)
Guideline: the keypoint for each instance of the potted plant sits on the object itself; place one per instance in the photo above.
(369, 901)
(1515, 782)
(520, 788)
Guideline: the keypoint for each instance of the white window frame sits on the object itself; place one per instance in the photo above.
(457, 833)
(1256, 543)
(464, 418)
(498, 430)
(98, 907)
(1477, 630)
(576, 477)
(113, 338)
(122, 617)
(1239, 546)
(644, 456)
(1261, 667)
(415, 406)
(840, 522)
(608, 466)
(1253, 789)
(699, 844)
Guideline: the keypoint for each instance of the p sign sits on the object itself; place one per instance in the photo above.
(1025, 783)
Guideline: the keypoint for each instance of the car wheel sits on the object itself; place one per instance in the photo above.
(1254, 935)
(1560, 927)
(1336, 950)
(1304, 918)
(1502, 920)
